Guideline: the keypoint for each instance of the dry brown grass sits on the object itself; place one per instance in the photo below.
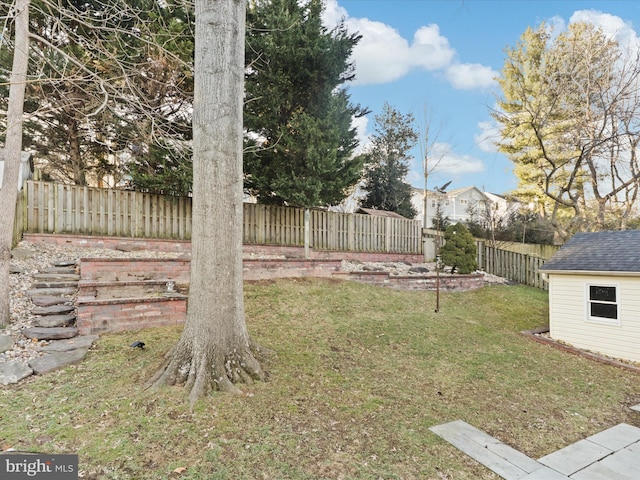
(359, 375)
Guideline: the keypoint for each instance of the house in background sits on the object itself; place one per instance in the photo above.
(502, 207)
(26, 168)
(458, 205)
(594, 293)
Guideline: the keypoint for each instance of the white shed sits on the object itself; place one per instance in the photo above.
(594, 293)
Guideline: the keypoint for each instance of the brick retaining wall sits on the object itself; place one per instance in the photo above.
(106, 316)
(104, 279)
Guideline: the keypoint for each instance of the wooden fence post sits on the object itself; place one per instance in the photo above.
(307, 232)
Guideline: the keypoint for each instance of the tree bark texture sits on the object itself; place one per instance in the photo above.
(215, 351)
(12, 151)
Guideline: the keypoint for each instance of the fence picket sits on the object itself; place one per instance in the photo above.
(47, 208)
(50, 208)
(514, 266)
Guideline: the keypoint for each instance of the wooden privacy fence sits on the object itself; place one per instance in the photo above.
(514, 266)
(364, 233)
(56, 208)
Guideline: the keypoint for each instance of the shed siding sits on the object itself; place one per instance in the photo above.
(568, 315)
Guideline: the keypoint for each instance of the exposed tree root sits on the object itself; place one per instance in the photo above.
(211, 371)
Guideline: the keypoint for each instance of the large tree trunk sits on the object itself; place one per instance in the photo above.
(12, 151)
(215, 350)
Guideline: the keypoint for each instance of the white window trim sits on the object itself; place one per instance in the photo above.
(601, 320)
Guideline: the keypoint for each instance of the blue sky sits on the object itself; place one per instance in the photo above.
(442, 56)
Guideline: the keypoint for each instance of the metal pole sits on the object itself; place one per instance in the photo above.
(441, 193)
(424, 220)
(438, 267)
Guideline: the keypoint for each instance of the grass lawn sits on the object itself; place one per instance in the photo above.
(358, 376)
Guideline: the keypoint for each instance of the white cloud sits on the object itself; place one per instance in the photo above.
(488, 136)
(613, 26)
(470, 76)
(383, 55)
(453, 163)
(555, 25)
(360, 124)
(429, 49)
(444, 163)
(333, 13)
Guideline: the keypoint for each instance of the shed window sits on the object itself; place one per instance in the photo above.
(603, 302)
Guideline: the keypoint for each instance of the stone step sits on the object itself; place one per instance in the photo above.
(49, 321)
(51, 291)
(48, 300)
(54, 277)
(63, 284)
(56, 360)
(65, 263)
(65, 345)
(53, 310)
(63, 270)
(56, 333)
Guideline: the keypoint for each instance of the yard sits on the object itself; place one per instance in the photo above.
(358, 375)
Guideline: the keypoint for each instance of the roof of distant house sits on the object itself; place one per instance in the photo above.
(379, 213)
(598, 252)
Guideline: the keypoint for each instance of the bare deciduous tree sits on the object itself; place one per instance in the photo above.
(98, 80)
(215, 351)
(105, 79)
(12, 150)
(570, 117)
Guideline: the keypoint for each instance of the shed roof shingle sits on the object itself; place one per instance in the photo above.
(598, 252)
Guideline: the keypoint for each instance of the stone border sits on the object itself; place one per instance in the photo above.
(534, 335)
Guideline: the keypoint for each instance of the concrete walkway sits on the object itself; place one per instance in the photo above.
(613, 454)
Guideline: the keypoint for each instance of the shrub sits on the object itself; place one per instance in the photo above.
(459, 251)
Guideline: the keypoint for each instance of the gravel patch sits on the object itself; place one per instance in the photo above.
(410, 269)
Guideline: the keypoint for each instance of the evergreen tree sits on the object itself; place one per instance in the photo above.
(297, 114)
(387, 163)
(163, 169)
(459, 251)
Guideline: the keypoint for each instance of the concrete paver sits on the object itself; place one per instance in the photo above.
(622, 465)
(507, 462)
(546, 473)
(575, 457)
(613, 454)
(625, 464)
(617, 437)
